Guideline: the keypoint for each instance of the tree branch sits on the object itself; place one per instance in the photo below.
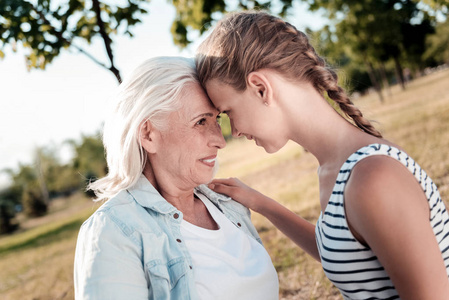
(59, 35)
(106, 39)
(81, 50)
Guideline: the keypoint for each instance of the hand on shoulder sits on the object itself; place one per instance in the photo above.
(240, 192)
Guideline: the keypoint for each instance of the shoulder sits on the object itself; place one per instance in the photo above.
(122, 213)
(122, 199)
(375, 171)
(378, 179)
(223, 202)
(382, 192)
(236, 207)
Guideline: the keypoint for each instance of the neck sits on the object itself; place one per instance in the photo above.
(316, 126)
(182, 199)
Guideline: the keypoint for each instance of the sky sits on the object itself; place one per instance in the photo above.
(69, 98)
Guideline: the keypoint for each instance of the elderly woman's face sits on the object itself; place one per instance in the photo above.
(188, 147)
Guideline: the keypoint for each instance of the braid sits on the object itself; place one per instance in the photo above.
(338, 94)
(325, 79)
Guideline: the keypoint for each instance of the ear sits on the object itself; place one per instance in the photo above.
(149, 137)
(260, 85)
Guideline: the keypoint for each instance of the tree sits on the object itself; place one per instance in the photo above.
(26, 185)
(441, 5)
(352, 74)
(437, 50)
(34, 184)
(198, 15)
(89, 160)
(380, 31)
(8, 202)
(46, 27)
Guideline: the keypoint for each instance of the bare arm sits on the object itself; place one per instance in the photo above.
(299, 230)
(387, 210)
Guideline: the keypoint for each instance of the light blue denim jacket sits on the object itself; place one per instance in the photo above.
(132, 248)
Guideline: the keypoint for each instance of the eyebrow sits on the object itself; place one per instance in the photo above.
(203, 115)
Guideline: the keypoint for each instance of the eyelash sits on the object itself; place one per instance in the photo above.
(203, 120)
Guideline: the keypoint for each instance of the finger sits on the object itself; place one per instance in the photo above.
(225, 181)
(222, 189)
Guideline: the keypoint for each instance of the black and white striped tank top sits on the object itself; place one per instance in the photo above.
(349, 265)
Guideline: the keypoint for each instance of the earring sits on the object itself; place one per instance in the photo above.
(266, 103)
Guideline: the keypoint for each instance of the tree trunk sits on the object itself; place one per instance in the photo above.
(42, 181)
(385, 82)
(374, 81)
(399, 75)
(106, 39)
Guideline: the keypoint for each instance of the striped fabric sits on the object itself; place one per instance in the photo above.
(352, 267)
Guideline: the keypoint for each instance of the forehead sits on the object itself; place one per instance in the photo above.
(221, 93)
(216, 85)
(194, 101)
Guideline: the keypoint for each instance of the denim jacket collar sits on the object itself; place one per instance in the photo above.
(157, 203)
(216, 198)
(140, 192)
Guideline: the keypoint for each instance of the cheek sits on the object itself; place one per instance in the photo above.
(252, 123)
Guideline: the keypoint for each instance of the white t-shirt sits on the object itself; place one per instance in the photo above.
(229, 264)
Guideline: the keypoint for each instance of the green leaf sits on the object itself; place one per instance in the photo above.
(45, 27)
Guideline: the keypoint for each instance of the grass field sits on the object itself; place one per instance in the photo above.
(37, 262)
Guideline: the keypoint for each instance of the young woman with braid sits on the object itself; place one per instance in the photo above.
(383, 229)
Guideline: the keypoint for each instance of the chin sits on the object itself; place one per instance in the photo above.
(270, 149)
(212, 176)
(215, 169)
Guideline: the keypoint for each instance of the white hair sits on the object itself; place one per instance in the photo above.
(151, 92)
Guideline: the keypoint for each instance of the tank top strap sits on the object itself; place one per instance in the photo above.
(348, 165)
(387, 150)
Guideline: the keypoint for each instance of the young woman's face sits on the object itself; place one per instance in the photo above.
(249, 116)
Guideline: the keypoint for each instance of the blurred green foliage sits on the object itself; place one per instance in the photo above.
(378, 38)
(199, 15)
(437, 49)
(46, 27)
(437, 4)
(89, 158)
(225, 124)
(34, 185)
(8, 201)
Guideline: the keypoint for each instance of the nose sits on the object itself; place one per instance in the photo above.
(217, 140)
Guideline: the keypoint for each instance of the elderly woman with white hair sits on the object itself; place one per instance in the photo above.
(162, 234)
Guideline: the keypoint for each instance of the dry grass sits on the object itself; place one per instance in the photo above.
(37, 263)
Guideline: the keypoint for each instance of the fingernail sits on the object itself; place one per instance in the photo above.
(211, 186)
